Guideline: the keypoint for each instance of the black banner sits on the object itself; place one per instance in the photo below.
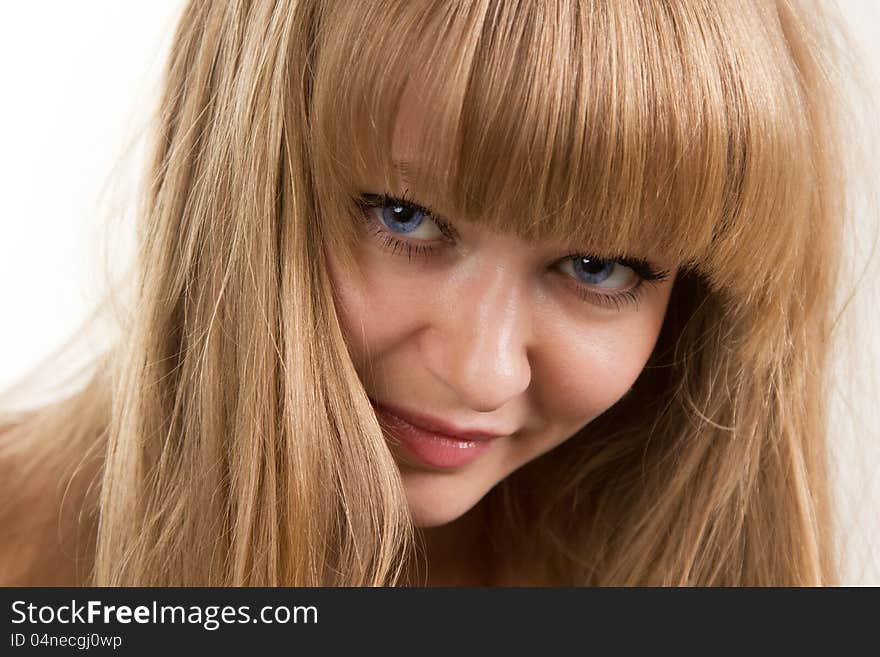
(131, 621)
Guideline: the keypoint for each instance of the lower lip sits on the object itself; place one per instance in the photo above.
(433, 449)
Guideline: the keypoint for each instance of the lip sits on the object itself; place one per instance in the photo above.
(430, 447)
(438, 426)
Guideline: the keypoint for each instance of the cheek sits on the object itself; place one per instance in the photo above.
(373, 311)
(351, 303)
(580, 374)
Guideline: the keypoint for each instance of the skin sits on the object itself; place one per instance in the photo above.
(486, 330)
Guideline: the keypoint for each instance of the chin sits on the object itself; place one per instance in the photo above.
(437, 500)
(427, 518)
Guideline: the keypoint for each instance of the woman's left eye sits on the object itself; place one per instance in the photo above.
(596, 272)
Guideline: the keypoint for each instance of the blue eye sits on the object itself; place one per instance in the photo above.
(402, 218)
(592, 270)
(607, 274)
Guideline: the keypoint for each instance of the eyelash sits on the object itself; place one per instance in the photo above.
(645, 272)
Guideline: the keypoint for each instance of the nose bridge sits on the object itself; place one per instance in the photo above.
(479, 345)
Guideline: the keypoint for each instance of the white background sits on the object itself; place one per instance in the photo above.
(78, 80)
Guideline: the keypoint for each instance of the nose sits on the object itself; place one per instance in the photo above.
(478, 344)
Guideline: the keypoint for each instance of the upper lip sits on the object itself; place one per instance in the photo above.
(436, 425)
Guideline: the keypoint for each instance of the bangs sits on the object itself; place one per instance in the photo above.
(631, 128)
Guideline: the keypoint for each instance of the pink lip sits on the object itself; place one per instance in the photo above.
(431, 447)
(437, 426)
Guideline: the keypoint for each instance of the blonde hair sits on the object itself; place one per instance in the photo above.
(227, 439)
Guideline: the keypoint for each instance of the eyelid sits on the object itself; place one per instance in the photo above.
(643, 269)
(633, 278)
(617, 298)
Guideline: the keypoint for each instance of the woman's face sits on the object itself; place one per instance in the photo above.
(459, 329)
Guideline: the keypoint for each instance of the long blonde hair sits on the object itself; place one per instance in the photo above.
(227, 439)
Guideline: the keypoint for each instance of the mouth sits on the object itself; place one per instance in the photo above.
(429, 446)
